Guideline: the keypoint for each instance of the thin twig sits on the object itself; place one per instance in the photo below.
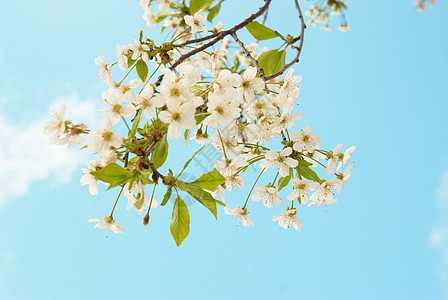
(216, 38)
(253, 60)
(299, 49)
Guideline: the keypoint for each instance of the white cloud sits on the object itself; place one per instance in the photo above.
(438, 238)
(26, 156)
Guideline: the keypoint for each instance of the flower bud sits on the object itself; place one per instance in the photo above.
(146, 220)
(108, 219)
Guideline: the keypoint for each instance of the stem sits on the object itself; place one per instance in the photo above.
(275, 178)
(113, 209)
(126, 123)
(222, 143)
(128, 73)
(152, 197)
(252, 188)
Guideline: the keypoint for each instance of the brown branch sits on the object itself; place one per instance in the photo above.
(150, 164)
(234, 28)
(217, 37)
(299, 49)
(253, 60)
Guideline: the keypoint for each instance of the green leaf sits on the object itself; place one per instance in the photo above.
(161, 16)
(159, 153)
(140, 200)
(272, 61)
(200, 195)
(277, 61)
(166, 197)
(135, 123)
(112, 173)
(180, 221)
(282, 182)
(199, 118)
(304, 163)
(196, 5)
(131, 62)
(307, 173)
(191, 158)
(261, 32)
(220, 203)
(210, 181)
(142, 70)
(195, 90)
(213, 12)
(186, 136)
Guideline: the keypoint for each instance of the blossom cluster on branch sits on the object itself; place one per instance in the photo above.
(242, 103)
(422, 5)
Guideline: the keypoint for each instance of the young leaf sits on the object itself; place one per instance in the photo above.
(135, 124)
(161, 16)
(277, 61)
(282, 182)
(214, 12)
(196, 90)
(142, 70)
(304, 163)
(307, 173)
(200, 195)
(196, 5)
(210, 181)
(261, 32)
(191, 158)
(180, 221)
(160, 152)
(111, 173)
(166, 197)
(272, 61)
(131, 62)
(263, 61)
(220, 203)
(186, 136)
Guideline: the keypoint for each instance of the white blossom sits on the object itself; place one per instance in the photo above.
(196, 22)
(283, 160)
(146, 101)
(338, 157)
(139, 50)
(305, 139)
(301, 188)
(240, 214)
(250, 84)
(268, 194)
(178, 117)
(105, 72)
(104, 139)
(122, 58)
(117, 110)
(229, 170)
(108, 224)
(90, 179)
(288, 218)
(56, 126)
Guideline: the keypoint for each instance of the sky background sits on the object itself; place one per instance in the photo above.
(379, 86)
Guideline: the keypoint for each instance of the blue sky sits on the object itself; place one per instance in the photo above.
(379, 86)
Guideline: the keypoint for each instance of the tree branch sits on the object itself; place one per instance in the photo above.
(299, 49)
(253, 60)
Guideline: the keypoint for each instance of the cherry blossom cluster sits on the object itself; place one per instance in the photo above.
(194, 87)
(323, 9)
(422, 5)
